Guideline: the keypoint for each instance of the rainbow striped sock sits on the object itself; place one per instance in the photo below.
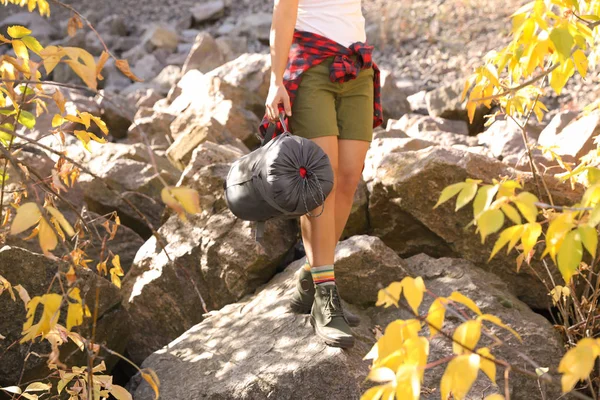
(323, 275)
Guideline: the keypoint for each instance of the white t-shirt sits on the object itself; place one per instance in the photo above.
(339, 20)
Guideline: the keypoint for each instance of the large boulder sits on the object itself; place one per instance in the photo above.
(205, 54)
(394, 93)
(209, 95)
(129, 170)
(404, 187)
(574, 140)
(414, 124)
(38, 274)
(213, 260)
(257, 348)
(504, 138)
(358, 221)
(446, 102)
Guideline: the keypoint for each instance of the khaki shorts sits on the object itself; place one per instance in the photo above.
(325, 108)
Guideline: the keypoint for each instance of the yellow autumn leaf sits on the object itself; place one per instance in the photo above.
(459, 376)
(123, 66)
(182, 200)
(436, 315)
(577, 364)
(74, 315)
(489, 222)
(531, 233)
(466, 194)
(408, 383)
(525, 202)
(47, 238)
(495, 396)
(381, 374)
(487, 366)
(496, 320)
(510, 235)
(448, 192)
(37, 387)
(556, 233)
(413, 289)
(100, 64)
(119, 392)
(570, 255)
(32, 44)
(589, 238)
(389, 347)
(17, 31)
(20, 49)
(376, 392)
(581, 63)
(28, 214)
(85, 138)
(464, 300)
(150, 376)
(116, 271)
(511, 213)
(101, 268)
(484, 198)
(57, 120)
(390, 295)
(466, 337)
(48, 319)
(65, 225)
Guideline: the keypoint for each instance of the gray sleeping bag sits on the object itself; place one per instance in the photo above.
(287, 177)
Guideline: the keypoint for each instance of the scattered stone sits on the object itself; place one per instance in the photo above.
(147, 67)
(205, 54)
(208, 10)
(418, 102)
(160, 37)
(257, 26)
(394, 96)
(415, 124)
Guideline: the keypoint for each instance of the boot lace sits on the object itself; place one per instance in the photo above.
(333, 305)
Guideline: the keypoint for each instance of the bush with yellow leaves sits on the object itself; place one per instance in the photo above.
(23, 98)
(551, 40)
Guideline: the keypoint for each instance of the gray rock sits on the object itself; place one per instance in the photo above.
(200, 130)
(205, 54)
(164, 296)
(147, 67)
(257, 349)
(445, 102)
(505, 139)
(575, 139)
(404, 187)
(232, 47)
(128, 169)
(36, 274)
(257, 26)
(250, 72)
(116, 112)
(414, 124)
(358, 221)
(393, 96)
(206, 154)
(160, 36)
(207, 10)
(418, 102)
(167, 78)
(153, 129)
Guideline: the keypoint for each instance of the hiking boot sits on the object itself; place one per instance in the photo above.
(303, 297)
(328, 318)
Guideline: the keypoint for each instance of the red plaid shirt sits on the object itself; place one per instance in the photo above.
(309, 49)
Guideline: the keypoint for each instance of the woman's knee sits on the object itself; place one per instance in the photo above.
(347, 182)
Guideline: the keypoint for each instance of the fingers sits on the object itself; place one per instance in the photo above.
(286, 105)
(273, 110)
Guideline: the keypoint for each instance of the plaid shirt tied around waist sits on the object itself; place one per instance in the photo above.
(309, 49)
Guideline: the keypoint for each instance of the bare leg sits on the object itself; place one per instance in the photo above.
(351, 156)
(319, 234)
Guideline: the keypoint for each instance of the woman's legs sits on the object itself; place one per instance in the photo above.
(351, 156)
(319, 234)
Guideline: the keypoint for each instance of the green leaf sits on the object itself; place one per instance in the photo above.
(563, 41)
(449, 192)
(589, 237)
(490, 221)
(27, 119)
(570, 255)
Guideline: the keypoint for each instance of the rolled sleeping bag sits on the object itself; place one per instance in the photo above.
(288, 177)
